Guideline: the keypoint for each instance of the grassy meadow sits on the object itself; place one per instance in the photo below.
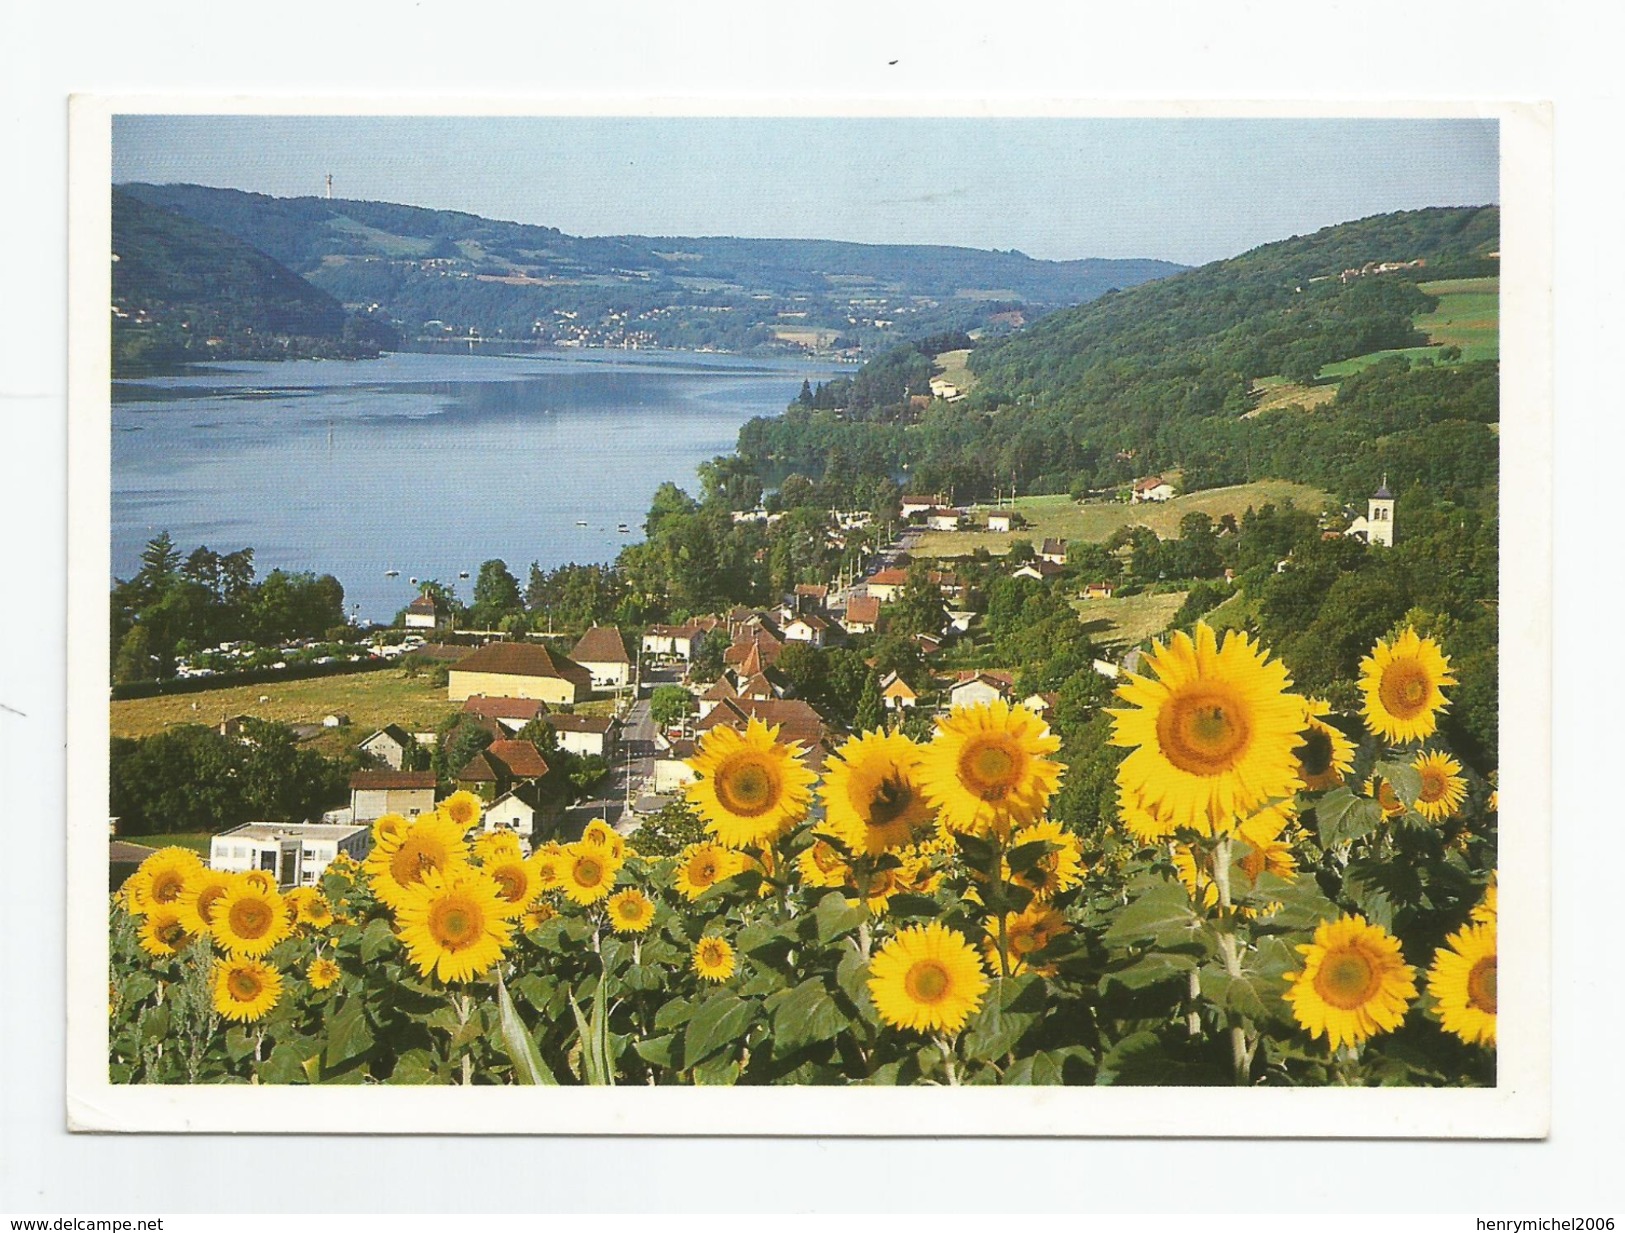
(1129, 620)
(1060, 517)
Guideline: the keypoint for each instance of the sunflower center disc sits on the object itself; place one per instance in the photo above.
(1432, 786)
(172, 935)
(1023, 942)
(1346, 979)
(746, 790)
(891, 799)
(455, 926)
(1203, 733)
(1404, 690)
(589, 872)
(927, 981)
(166, 888)
(511, 884)
(989, 771)
(1481, 985)
(1315, 754)
(205, 902)
(245, 986)
(250, 918)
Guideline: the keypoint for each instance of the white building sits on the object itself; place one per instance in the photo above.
(813, 630)
(676, 641)
(511, 812)
(375, 793)
(1377, 527)
(1152, 488)
(587, 735)
(602, 652)
(1000, 522)
(296, 853)
(944, 519)
(980, 689)
(388, 746)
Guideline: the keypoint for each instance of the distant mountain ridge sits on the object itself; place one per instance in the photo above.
(443, 272)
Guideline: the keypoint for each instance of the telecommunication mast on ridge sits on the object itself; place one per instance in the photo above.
(330, 186)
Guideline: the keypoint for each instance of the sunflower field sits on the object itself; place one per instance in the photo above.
(1286, 896)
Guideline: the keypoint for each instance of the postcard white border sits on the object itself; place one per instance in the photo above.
(1517, 1108)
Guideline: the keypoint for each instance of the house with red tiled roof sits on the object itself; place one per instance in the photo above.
(588, 735)
(519, 670)
(1040, 569)
(795, 719)
(602, 652)
(427, 612)
(886, 585)
(1152, 488)
(862, 615)
(511, 713)
(721, 690)
(813, 630)
(1097, 590)
(672, 641)
(501, 766)
(375, 793)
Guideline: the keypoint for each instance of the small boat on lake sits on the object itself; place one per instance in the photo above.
(581, 522)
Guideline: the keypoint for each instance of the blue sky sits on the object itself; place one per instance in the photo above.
(1182, 190)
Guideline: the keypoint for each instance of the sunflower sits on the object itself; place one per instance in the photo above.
(316, 911)
(927, 978)
(495, 845)
(538, 914)
(198, 900)
(260, 880)
(433, 843)
(987, 768)
(463, 808)
(1354, 984)
(323, 973)
(164, 932)
(874, 887)
(820, 865)
(1145, 826)
(700, 866)
(1026, 933)
(1401, 684)
(871, 793)
(753, 788)
(293, 901)
(1486, 911)
(245, 989)
(1462, 984)
(1059, 869)
(587, 874)
(248, 920)
(1326, 755)
(389, 829)
(602, 835)
(1443, 788)
(1195, 873)
(163, 876)
(713, 959)
(918, 874)
(630, 911)
(515, 877)
(1213, 736)
(549, 866)
(1381, 791)
(454, 924)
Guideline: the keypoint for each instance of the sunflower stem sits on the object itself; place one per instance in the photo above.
(1193, 1017)
(950, 1061)
(1240, 1052)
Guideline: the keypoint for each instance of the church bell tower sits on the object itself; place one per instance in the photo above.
(1379, 519)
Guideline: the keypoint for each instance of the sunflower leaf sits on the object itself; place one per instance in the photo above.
(834, 916)
(1162, 910)
(718, 1024)
(1341, 817)
(528, 1067)
(1014, 1005)
(348, 1035)
(803, 1016)
(377, 939)
(1404, 778)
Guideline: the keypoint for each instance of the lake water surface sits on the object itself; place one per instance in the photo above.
(425, 464)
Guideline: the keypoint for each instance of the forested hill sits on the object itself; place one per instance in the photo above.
(1174, 374)
(185, 291)
(441, 272)
(1282, 308)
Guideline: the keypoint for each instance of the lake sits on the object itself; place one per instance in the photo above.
(425, 464)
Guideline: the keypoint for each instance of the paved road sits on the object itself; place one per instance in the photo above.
(634, 764)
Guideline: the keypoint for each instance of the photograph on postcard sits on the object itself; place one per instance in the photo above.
(803, 601)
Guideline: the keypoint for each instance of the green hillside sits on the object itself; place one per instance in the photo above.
(183, 291)
(441, 272)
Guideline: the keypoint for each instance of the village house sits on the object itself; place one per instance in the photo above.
(500, 767)
(1053, 551)
(810, 598)
(720, 691)
(375, 793)
(1152, 488)
(862, 615)
(796, 720)
(813, 630)
(981, 688)
(511, 714)
(929, 644)
(587, 735)
(886, 585)
(602, 652)
(941, 388)
(296, 853)
(1001, 522)
(671, 641)
(1042, 705)
(427, 612)
(512, 812)
(896, 694)
(1097, 590)
(944, 518)
(388, 746)
(519, 670)
(912, 505)
(1040, 569)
